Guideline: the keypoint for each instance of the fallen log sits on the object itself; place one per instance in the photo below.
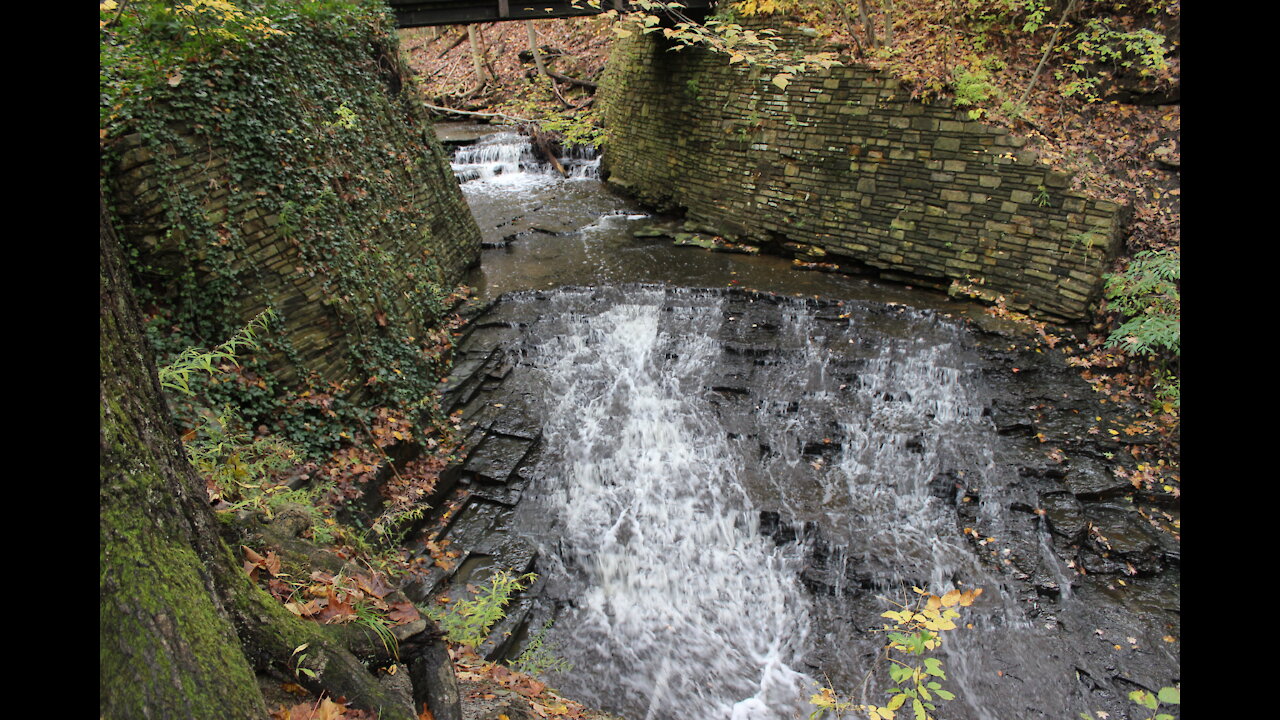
(454, 111)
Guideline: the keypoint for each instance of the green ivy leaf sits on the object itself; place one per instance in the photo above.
(1144, 698)
(1170, 695)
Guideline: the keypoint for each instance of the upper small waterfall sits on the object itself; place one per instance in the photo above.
(508, 158)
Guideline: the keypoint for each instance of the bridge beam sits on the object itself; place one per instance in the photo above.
(425, 13)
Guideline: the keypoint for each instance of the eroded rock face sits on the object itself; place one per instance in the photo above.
(846, 451)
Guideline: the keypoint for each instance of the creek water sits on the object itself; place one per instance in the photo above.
(733, 487)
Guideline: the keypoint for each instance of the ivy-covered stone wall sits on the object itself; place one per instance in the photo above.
(300, 173)
(847, 169)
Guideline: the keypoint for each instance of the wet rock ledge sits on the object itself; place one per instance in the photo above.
(1127, 570)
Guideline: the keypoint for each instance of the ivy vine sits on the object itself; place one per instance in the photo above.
(291, 166)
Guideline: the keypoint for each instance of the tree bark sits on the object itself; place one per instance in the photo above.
(888, 23)
(181, 626)
(477, 56)
(1053, 42)
(868, 23)
(533, 47)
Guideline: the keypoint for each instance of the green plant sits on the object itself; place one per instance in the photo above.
(692, 86)
(1166, 696)
(917, 630)
(1015, 110)
(717, 33)
(176, 375)
(973, 88)
(239, 472)
(537, 658)
(1042, 197)
(1097, 43)
(1147, 295)
(467, 622)
(381, 544)
(1088, 239)
(345, 117)
(273, 108)
(826, 700)
(232, 460)
(238, 467)
(391, 527)
(220, 20)
(371, 618)
(298, 668)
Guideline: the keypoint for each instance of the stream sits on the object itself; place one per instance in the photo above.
(724, 470)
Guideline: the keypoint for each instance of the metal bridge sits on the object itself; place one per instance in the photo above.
(420, 13)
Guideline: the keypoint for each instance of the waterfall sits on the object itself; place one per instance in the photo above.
(729, 488)
(507, 158)
(690, 611)
(651, 489)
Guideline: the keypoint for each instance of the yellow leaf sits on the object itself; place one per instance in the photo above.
(951, 598)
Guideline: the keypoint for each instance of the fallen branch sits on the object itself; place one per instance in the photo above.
(453, 111)
(571, 80)
(453, 45)
(542, 145)
(1053, 42)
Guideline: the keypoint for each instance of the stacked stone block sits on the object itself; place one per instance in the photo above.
(845, 163)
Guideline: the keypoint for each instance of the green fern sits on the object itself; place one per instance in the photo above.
(177, 374)
(467, 622)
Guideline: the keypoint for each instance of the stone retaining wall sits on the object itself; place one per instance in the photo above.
(351, 228)
(845, 167)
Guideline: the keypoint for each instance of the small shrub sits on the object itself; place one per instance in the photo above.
(467, 622)
(974, 89)
(537, 658)
(176, 375)
(1147, 295)
(916, 631)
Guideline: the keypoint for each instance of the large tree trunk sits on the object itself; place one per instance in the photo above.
(181, 626)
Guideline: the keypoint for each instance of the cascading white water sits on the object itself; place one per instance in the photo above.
(683, 608)
(689, 610)
(507, 158)
(497, 157)
(852, 441)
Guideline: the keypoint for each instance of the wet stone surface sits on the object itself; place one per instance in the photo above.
(1085, 571)
(1081, 592)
